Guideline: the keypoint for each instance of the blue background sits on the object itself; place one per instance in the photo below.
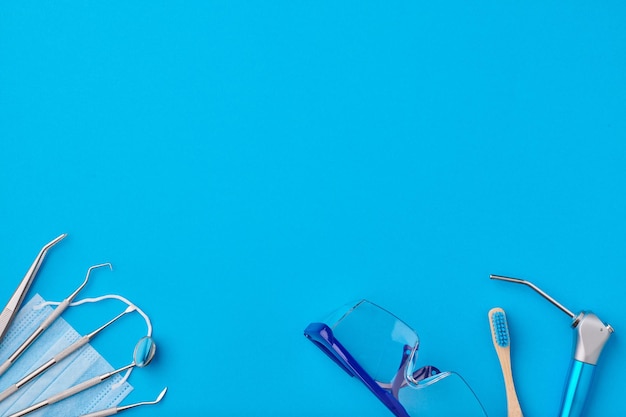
(248, 167)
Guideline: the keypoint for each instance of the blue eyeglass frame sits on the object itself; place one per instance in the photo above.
(322, 336)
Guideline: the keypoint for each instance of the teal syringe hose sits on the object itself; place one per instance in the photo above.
(578, 383)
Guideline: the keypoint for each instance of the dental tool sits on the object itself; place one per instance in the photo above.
(114, 410)
(142, 356)
(47, 322)
(590, 337)
(9, 312)
(12, 389)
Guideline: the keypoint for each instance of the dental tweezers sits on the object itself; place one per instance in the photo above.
(9, 312)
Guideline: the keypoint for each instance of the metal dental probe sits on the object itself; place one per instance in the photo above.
(47, 322)
(60, 356)
(9, 312)
(591, 336)
(115, 410)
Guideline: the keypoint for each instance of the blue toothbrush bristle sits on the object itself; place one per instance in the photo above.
(500, 328)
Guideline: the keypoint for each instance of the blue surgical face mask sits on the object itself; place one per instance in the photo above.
(80, 366)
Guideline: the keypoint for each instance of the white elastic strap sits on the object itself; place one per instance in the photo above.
(121, 382)
(104, 297)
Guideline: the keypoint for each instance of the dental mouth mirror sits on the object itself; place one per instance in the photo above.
(591, 334)
(48, 321)
(142, 356)
(144, 351)
(9, 312)
(12, 389)
(114, 410)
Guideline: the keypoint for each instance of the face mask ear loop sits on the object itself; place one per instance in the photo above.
(104, 297)
(121, 382)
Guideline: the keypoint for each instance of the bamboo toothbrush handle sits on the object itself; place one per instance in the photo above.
(514, 409)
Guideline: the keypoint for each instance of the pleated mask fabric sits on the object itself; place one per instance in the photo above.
(81, 365)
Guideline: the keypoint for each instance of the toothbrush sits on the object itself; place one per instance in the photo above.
(502, 344)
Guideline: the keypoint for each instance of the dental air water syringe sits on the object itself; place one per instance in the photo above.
(591, 334)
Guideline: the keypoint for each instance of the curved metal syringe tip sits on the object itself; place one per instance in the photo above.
(537, 289)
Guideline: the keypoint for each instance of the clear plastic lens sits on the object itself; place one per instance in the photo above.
(443, 395)
(377, 339)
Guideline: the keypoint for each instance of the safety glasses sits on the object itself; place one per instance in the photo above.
(370, 343)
